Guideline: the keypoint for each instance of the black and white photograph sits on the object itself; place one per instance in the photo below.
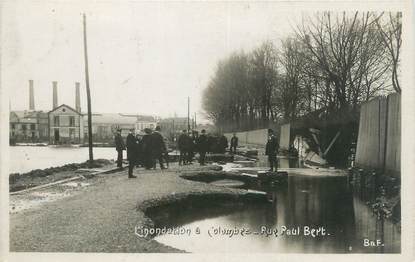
(206, 127)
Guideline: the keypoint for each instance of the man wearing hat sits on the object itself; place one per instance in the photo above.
(182, 144)
(234, 143)
(119, 146)
(131, 153)
(159, 147)
(271, 150)
(202, 146)
(147, 148)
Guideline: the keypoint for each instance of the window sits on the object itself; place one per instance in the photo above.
(32, 126)
(71, 121)
(72, 133)
(56, 120)
(24, 127)
(13, 126)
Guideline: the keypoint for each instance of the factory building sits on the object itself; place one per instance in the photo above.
(69, 125)
(65, 122)
(65, 126)
(28, 126)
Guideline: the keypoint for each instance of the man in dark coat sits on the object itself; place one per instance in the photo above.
(202, 146)
(191, 146)
(147, 149)
(131, 153)
(166, 152)
(271, 150)
(139, 150)
(182, 145)
(211, 141)
(234, 143)
(159, 147)
(119, 146)
(223, 144)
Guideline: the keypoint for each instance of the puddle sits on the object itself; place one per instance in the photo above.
(324, 204)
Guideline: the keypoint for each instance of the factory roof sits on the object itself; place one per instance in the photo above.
(114, 118)
(26, 116)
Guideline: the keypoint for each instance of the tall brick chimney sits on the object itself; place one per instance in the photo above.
(55, 94)
(31, 96)
(77, 98)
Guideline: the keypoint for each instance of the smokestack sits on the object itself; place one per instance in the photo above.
(77, 98)
(55, 94)
(31, 96)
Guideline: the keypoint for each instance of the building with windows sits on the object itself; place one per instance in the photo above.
(105, 125)
(65, 126)
(28, 126)
(68, 125)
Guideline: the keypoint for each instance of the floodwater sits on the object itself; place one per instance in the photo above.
(26, 158)
(310, 215)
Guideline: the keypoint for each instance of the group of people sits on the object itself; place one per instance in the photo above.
(188, 145)
(145, 150)
(142, 150)
(203, 143)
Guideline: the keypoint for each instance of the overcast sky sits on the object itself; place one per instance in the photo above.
(144, 57)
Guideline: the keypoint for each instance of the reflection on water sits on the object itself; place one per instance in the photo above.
(321, 203)
(26, 158)
(283, 162)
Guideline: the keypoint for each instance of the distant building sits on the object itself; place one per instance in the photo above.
(104, 125)
(65, 125)
(173, 126)
(28, 126)
(145, 122)
(68, 125)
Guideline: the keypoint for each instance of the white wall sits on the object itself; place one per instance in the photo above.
(253, 137)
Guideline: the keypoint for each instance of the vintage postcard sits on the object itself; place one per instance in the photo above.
(207, 130)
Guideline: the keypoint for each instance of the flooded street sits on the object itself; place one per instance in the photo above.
(312, 214)
(308, 214)
(26, 158)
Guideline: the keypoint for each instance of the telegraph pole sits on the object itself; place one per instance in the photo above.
(88, 93)
(188, 114)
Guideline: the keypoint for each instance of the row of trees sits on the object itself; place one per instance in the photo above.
(332, 61)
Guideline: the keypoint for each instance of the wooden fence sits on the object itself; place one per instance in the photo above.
(379, 139)
(285, 134)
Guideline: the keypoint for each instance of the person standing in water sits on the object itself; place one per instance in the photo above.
(271, 150)
(234, 143)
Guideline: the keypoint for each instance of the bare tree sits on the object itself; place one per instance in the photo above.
(292, 88)
(263, 73)
(346, 53)
(391, 32)
(333, 61)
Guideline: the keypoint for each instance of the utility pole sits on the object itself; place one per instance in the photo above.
(88, 94)
(174, 131)
(188, 114)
